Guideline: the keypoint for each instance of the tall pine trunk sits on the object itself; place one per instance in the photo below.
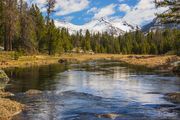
(9, 22)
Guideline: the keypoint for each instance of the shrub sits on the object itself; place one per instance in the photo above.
(17, 55)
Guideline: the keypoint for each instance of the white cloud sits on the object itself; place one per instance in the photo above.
(68, 18)
(140, 14)
(124, 7)
(64, 7)
(143, 12)
(71, 6)
(92, 10)
(105, 12)
(40, 3)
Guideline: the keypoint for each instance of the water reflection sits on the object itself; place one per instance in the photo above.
(41, 78)
(84, 90)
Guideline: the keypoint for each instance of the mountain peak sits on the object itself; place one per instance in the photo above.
(99, 25)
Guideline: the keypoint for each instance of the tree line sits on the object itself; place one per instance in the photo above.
(24, 28)
(158, 42)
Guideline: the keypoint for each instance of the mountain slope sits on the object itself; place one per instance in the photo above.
(100, 25)
(155, 24)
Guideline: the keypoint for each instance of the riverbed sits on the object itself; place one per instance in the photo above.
(89, 90)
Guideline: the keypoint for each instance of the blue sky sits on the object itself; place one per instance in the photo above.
(84, 16)
(79, 12)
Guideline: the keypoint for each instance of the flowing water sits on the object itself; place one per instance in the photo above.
(86, 91)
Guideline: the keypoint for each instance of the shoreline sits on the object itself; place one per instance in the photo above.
(7, 60)
(162, 63)
(9, 108)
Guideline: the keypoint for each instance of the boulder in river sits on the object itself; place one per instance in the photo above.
(108, 115)
(67, 61)
(33, 92)
(176, 68)
(4, 94)
(173, 97)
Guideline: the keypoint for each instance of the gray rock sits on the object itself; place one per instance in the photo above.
(173, 97)
(1, 48)
(33, 92)
(109, 115)
(175, 64)
(4, 79)
(176, 69)
(68, 61)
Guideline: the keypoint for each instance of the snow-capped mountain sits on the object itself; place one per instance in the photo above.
(156, 24)
(101, 25)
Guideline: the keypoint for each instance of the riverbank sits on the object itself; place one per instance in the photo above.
(7, 60)
(163, 63)
(8, 108)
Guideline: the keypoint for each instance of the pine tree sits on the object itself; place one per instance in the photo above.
(153, 49)
(87, 41)
(1, 22)
(50, 9)
(27, 38)
(128, 43)
(39, 24)
(9, 23)
(56, 39)
(67, 45)
(116, 46)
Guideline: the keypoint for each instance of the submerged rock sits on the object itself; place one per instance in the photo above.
(33, 92)
(174, 97)
(176, 68)
(108, 115)
(4, 94)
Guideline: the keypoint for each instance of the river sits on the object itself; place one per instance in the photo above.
(85, 91)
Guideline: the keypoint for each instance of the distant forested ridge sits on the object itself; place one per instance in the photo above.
(25, 29)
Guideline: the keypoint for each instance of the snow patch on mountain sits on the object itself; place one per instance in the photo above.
(117, 27)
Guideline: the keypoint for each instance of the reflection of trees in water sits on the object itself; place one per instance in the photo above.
(34, 77)
(124, 84)
(108, 67)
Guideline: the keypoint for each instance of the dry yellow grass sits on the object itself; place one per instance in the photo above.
(5, 94)
(151, 61)
(6, 60)
(8, 108)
